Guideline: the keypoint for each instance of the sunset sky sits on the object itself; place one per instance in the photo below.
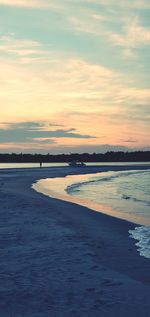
(74, 75)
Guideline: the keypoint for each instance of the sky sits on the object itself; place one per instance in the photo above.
(75, 75)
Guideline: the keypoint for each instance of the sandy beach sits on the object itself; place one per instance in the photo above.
(60, 259)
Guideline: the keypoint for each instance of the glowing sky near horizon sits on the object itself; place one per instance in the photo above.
(74, 75)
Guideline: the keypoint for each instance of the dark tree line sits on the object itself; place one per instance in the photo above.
(138, 156)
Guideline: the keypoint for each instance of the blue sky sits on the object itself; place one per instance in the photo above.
(77, 70)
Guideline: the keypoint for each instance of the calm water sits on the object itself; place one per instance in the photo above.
(35, 165)
(123, 194)
(126, 192)
(29, 165)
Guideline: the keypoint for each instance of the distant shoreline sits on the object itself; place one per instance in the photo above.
(113, 156)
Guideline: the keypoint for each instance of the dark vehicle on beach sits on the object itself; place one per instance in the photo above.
(76, 164)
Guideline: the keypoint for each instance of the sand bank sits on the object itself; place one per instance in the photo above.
(60, 259)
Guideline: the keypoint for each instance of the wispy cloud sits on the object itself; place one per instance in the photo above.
(129, 141)
(133, 36)
(19, 47)
(21, 3)
(40, 3)
(138, 4)
(28, 4)
(34, 4)
(100, 21)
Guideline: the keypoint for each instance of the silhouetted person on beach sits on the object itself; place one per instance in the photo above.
(40, 164)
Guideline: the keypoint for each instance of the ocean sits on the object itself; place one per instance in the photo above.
(37, 165)
(29, 165)
(122, 194)
(127, 193)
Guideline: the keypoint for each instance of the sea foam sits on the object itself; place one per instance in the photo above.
(142, 234)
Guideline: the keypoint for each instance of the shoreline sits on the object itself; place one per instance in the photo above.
(56, 188)
(60, 258)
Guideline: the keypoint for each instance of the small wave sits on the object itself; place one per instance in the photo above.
(135, 199)
(143, 235)
(123, 191)
(73, 187)
(100, 179)
(147, 203)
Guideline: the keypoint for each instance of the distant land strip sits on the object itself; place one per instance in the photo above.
(137, 156)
